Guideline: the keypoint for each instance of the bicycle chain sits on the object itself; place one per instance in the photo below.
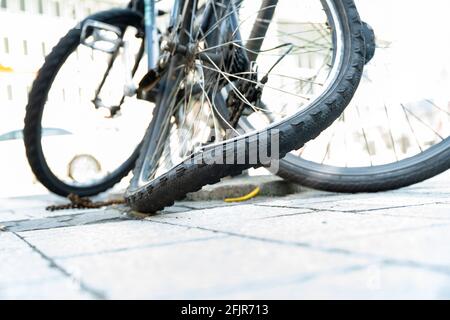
(236, 104)
(78, 202)
(237, 60)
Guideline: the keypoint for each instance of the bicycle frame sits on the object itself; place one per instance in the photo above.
(151, 44)
(209, 19)
(151, 33)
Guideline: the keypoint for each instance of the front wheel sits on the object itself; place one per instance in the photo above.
(287, 75)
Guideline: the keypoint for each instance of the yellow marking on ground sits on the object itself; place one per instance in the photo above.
(247, 197)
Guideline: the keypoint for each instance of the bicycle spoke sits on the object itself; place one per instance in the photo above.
(411, 128)
(227, 76)
(436, 106)
(421, 121)
(365, 136)
(327, 150)
(225, 44)
(390, 133)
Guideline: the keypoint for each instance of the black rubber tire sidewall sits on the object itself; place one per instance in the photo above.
(190, 176)
(418, 168)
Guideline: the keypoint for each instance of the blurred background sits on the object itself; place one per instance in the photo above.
(29, 29)
(409, 72)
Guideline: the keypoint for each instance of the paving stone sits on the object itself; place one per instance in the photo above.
(7, 216)
(66, 220)
(310, 228)
(176, 209)
(114, 236)
(33, 213)
(198, 205)
(25, 274)
(225, 216)
(437, 193)
(61, 289)
(200, 270)
(308, 245)
(435, 212)
(429, 246)
(307, 199)
(20, 264)
(33, 207)
(356, 203)
(378, 202)
(369, 282)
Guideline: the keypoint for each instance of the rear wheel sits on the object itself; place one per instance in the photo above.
(396, 130)
(74, 143)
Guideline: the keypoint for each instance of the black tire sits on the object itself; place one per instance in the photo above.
(392, 176)
(377, 178)
(294, 132)
(38, 97)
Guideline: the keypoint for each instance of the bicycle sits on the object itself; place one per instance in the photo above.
(211, 76)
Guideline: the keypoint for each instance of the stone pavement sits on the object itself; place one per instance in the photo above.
(307, 245)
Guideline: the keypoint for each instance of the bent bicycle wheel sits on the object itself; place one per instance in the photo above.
(238, 62)
(396, 131)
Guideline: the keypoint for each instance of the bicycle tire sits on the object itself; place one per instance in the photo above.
(192, 174)
(36, 104)
(392, 176)
(412, 169)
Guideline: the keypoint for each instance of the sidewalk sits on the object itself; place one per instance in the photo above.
(308, 245)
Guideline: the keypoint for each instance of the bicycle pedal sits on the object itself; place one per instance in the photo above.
(113, 110)
(101, 36)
